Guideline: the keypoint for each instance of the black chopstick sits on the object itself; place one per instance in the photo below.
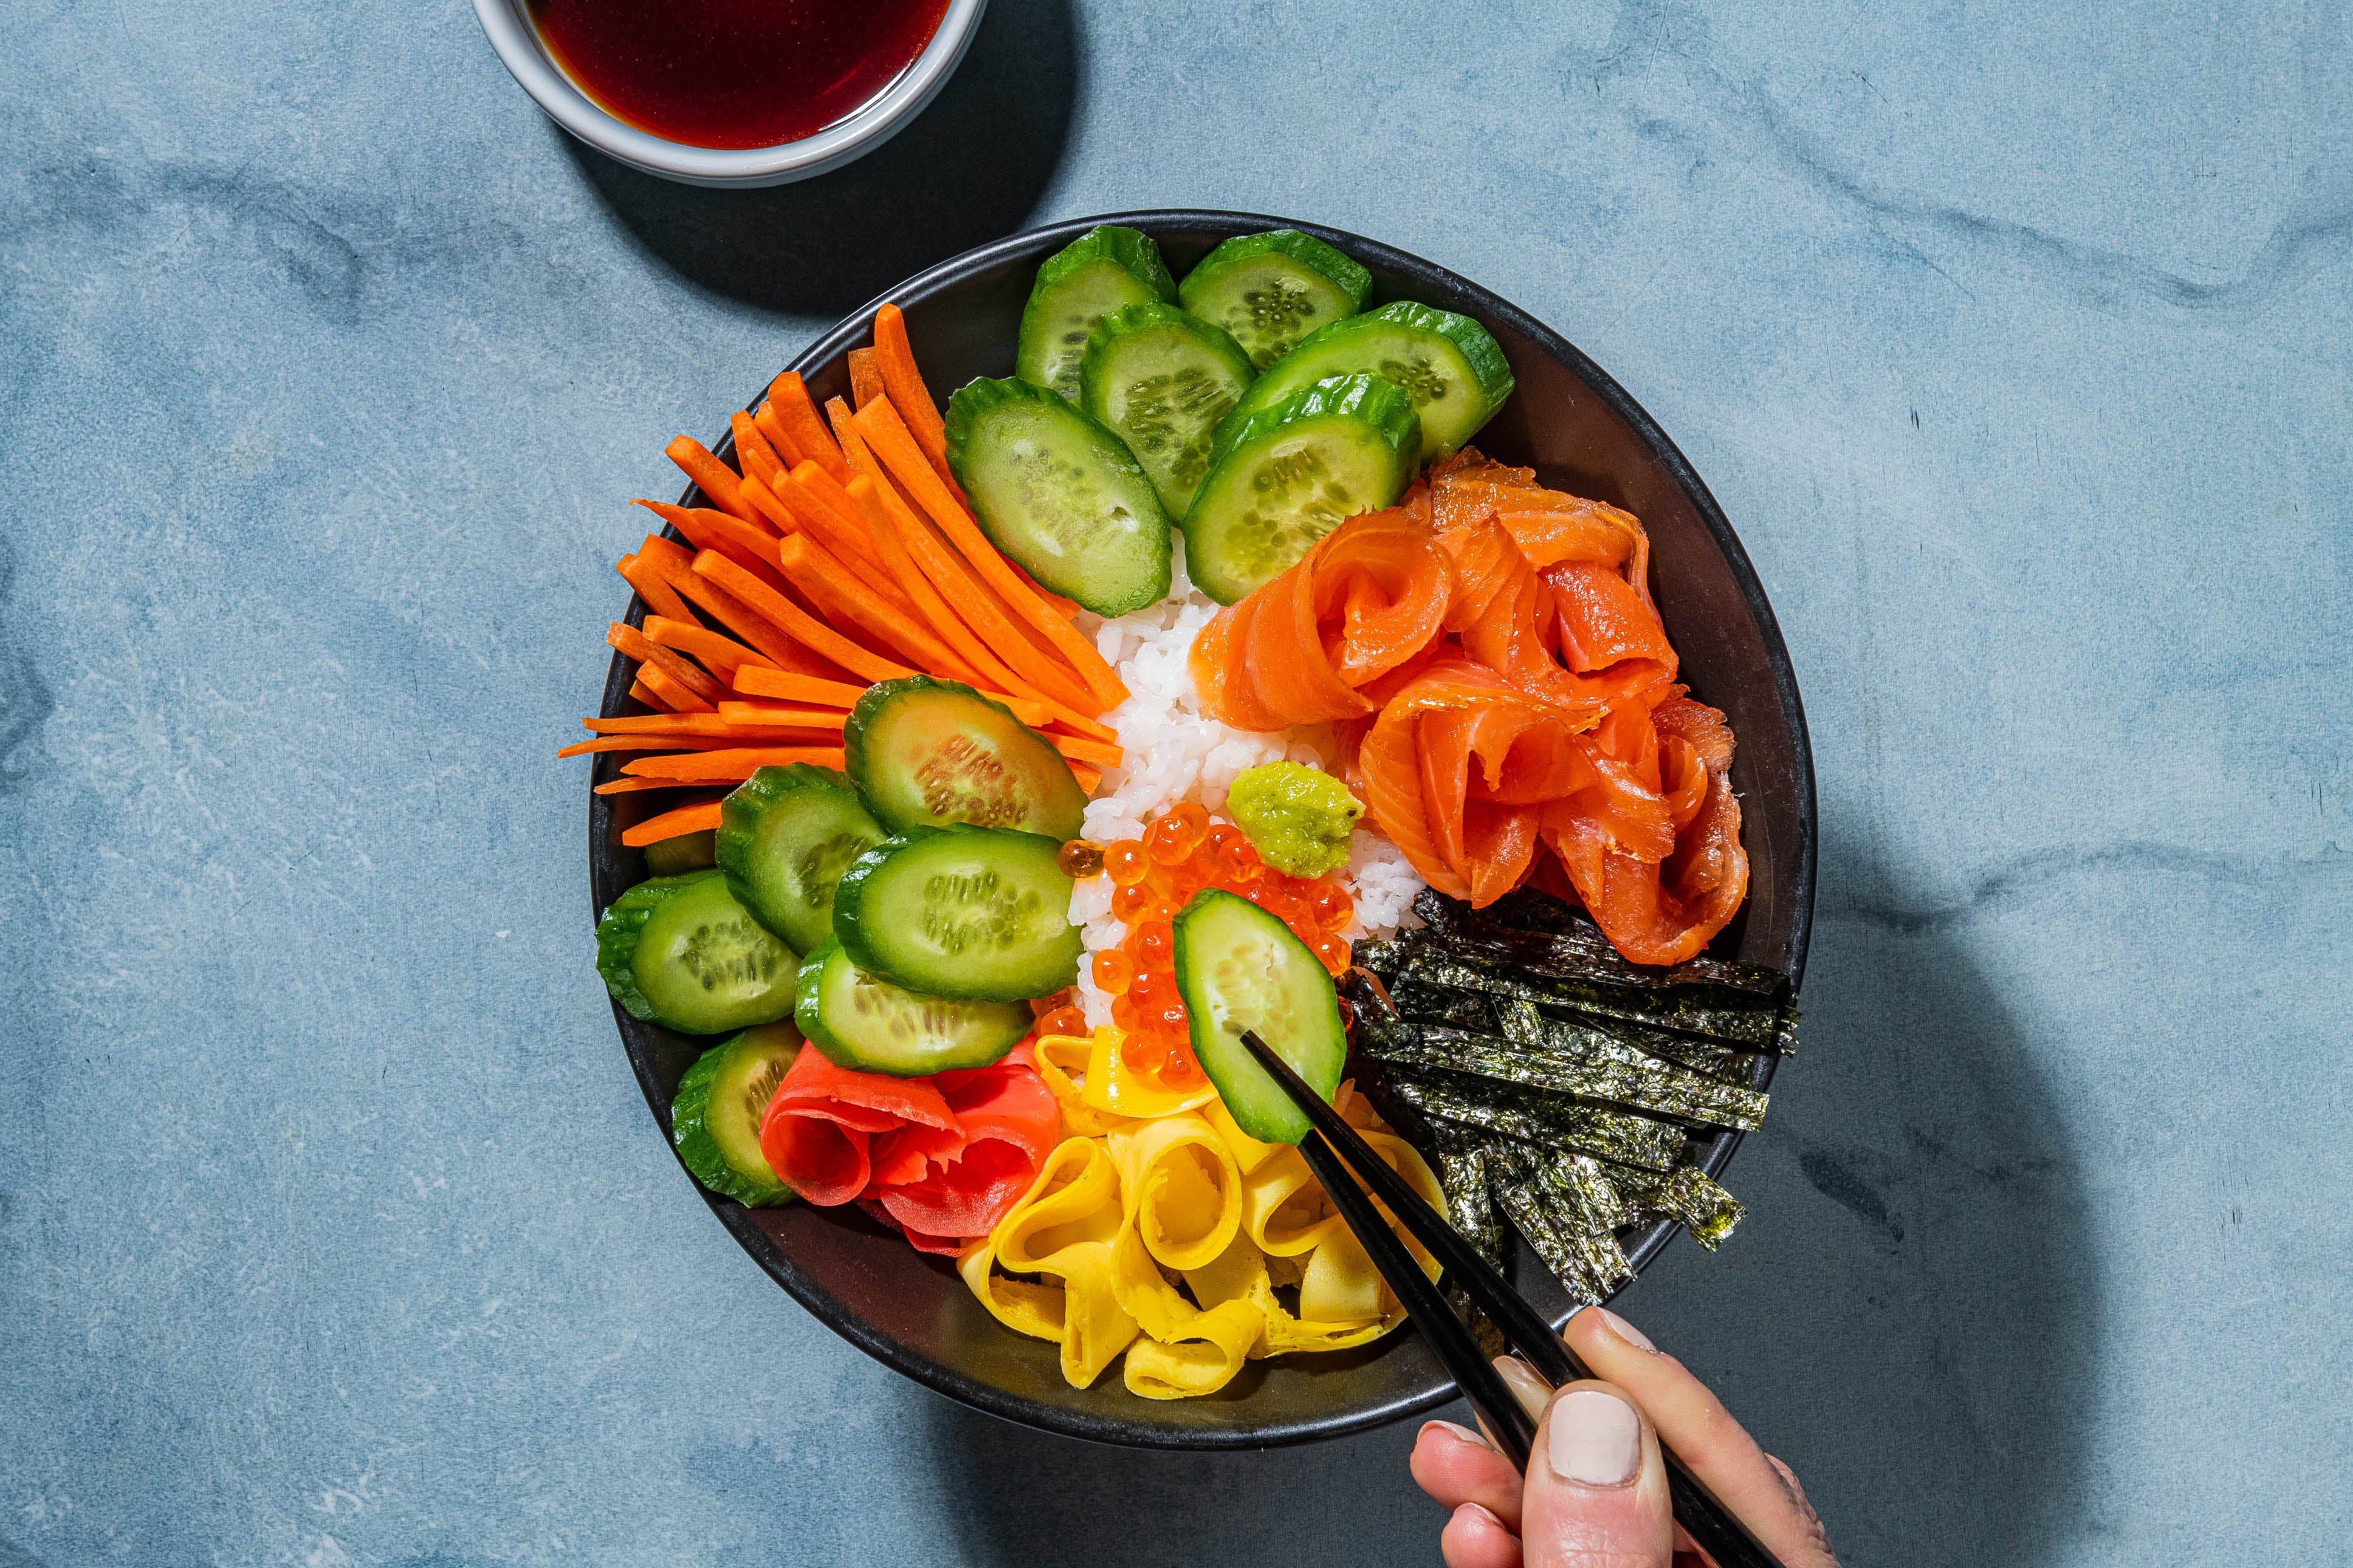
(1715, 1528)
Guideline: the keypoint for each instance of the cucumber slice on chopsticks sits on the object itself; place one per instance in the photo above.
(1239, 967)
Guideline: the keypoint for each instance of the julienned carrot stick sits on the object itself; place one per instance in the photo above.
(630, 786)
(815, 571)
(822, 640)
(790, 508)
(944, 620)
(841, 527)
(759, 460)
(1088, 778)
(1094, 752)
(1082, 725)
(716, 478)
(631, 643)
(659, 597)
(776, 735)
(686, 819)
(865, 377)
(674, 694)
(638, 689)
(750, 546)
(795, 688)
(886, 437)
(748, 715)
(1038, 671)
(903, 383)
(722, 656)
(824, 487)
(789, 451)
(730, 611)
(708, 725)
(796, 411)
(1035, 714)
(738, 765)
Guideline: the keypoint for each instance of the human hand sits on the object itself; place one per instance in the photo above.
(1596, 1492)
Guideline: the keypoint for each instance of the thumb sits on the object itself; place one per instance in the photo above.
(1596, 1493)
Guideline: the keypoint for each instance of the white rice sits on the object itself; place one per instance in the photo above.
(1175, 753)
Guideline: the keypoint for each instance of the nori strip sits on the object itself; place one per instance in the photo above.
(1608, 1071)
(1744, 1004)
(1431, 969)
(1462, 1170)
(1571, 933)
(1564, 1206)
(1428, 1004)
(1536, 1116)
(1686, 1195)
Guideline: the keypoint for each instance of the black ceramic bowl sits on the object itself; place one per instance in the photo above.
(1583, 434)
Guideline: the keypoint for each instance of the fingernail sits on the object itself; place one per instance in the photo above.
(1460, 1434)
(1596, 1439)
(1624, 1329)
(1531, 1390)
(1473, 1511)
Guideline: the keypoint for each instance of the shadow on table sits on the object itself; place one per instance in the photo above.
(1908, 1317)
(971, 168)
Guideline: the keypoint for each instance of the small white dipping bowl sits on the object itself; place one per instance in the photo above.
(874, 122)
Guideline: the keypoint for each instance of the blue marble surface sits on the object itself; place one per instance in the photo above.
(2015, 340)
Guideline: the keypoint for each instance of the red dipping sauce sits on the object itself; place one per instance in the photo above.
(734, 73)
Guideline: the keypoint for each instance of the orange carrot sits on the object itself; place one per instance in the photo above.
(795, 688)
(707, 725)
(1085, 726)
(1038, 672)
(790, 507)
(1085, 751)
(675, 695)
(796, 411)
(736, 765)
(759, 459)
(1088, 778)
(716, 478)
(822, 640)
(822, 485)
(658, 595)
(722, 656)
(789, 451)
(630, 787)
(686, 819)
(886, 437)
(777, 735)
(753, 714)
(865, 377)
(816, 572)
(835, 521)
(903, 383)
(750, 546)
(638, 689)
(632, 643)
(780, 649)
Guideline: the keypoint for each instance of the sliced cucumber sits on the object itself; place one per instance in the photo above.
(929, 753)
(682, 951)
(1240, 968)
(1453, 366)
(714, 1123)
(871, 1025)
(786, 836)
(676, 857)
(1291, 475)
(1163, 382)
(1060, 494)
(977, 913)
(1101, 271)
(1272, 289)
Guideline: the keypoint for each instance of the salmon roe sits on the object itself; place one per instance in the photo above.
(1182, 853)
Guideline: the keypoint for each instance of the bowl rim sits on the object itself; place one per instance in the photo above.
(516, 40)
(1641, 1248)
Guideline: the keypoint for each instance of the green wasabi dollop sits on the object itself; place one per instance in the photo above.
(1298, 819)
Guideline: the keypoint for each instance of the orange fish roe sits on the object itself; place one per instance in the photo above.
(1182, 852)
